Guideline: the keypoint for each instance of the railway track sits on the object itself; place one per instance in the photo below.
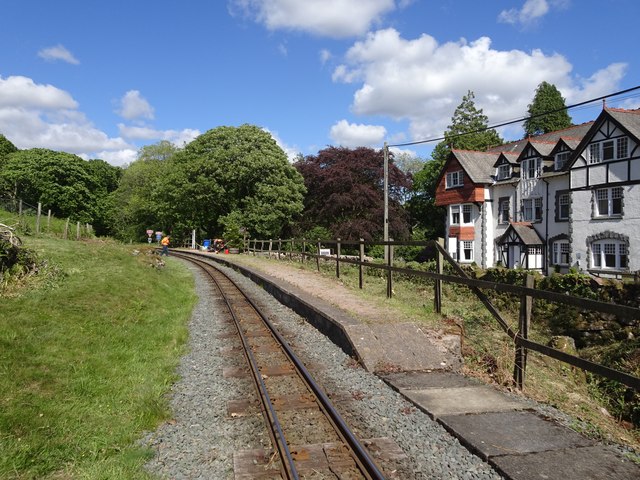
(308, 436)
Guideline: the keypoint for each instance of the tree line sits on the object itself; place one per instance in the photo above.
(235, 181)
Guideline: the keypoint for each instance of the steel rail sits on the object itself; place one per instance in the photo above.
(362, 458)
(288, 468)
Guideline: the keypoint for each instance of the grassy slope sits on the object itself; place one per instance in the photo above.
(88, 350)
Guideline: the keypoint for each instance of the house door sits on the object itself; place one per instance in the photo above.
(513, 256)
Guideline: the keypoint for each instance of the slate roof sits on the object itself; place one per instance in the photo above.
(477, 165)
(526, 232)
(575, 131)
(629, 119)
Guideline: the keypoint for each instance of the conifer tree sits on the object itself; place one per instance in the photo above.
(547, 99)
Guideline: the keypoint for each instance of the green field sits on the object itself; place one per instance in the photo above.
(88, 350)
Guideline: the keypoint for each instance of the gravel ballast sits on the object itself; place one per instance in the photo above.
(201, 439)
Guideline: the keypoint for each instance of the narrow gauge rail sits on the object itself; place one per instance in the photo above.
(295, 408)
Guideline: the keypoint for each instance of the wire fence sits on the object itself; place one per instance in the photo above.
(33, 220)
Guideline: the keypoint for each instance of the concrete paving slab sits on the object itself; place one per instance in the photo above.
(587, 463)
(462, 400)
(504, 433)
(422, 380)
(409, 346)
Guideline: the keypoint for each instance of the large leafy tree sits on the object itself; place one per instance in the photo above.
(6, 147)
(227, 178)
(60, 181)
(131, 207)
(468, 131)
(547, 112)
(107, 178)
(345, 193)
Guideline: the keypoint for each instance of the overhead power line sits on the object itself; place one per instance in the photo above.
(522, 119)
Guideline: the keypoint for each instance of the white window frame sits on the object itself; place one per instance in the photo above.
(608, 202)
(564, 200)
(463, 212)
(467, 214)
(455, 215)
(504, 171)
(531, 168)
(560, 255)
(466, 251)
(455, 179)
(532, 209)
(609, 254)
(504, 210)
(607, 150)
(561, 160)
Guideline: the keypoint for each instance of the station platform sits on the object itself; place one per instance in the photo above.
(424, 366)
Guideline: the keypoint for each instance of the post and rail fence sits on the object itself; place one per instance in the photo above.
(306, 250)
(31, 216)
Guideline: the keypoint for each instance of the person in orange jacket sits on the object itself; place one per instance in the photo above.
(165, 245)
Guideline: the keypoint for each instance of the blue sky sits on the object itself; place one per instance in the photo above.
(102, 79)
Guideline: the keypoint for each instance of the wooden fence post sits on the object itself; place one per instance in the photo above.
(279, 247)
(49, 220)
(38, 218)
(78, 231)
(437, 296)
(389, 275)
(66, 229)
(318, 256)
(270, 247)
(360, 267)
(293, 245)
(338, 259)
(524, 320)
(304, 248)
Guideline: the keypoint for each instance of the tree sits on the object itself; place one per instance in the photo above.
(107, 178)
(546, 99)
(60, 181)
(345, 193)
(229, 176)
(130, 208)
(6, 147)
(468, 131)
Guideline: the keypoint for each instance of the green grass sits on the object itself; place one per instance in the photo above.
(88, 350)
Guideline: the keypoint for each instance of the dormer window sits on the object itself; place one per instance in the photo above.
(606, 150)
(504, 171)
(531, 168)
(561, 160)
(455, 179)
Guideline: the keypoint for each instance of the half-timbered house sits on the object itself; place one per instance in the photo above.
(565, 199)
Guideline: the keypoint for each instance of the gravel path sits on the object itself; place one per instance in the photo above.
(199, 442)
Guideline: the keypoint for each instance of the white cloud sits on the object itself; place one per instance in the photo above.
(118, 157)
(423, 82)
(290, 152)
(353, 135)
(325, 56)
(59, 52)
(43, 116)
(18, 91)
(531, 11)
(331, 18)
(177, 137)
(133, 105)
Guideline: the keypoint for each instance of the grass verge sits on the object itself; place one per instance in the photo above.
(88, 350)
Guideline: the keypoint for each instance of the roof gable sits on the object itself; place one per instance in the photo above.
(627, 120)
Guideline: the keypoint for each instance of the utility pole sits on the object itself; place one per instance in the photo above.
(386, 200)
